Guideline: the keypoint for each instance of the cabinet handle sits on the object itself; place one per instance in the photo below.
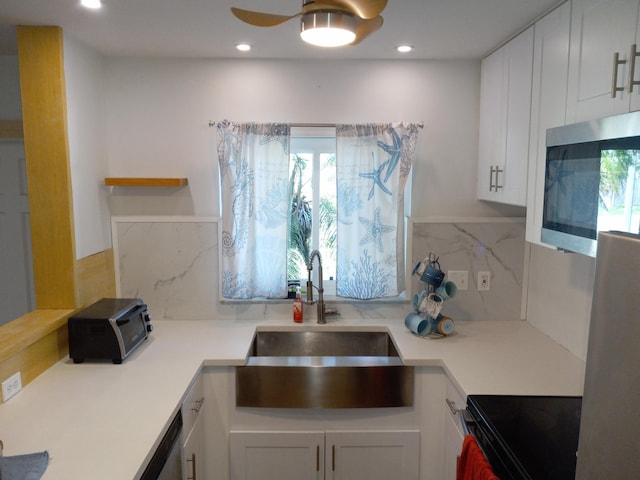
(632, 67)
(497, 185)
(614, 83)
(491, 178)
(317, 458)
(198, 405)
(193, 467)
(452, 406)
(333, 458)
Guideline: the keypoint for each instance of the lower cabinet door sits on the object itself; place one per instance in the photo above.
(316, 455)
(193, 453)
(277, 455)
(452, 447)
(376, 455)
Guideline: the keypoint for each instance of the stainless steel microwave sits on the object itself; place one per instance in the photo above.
(591, 182)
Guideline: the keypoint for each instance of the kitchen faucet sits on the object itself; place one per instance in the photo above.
(321, 308)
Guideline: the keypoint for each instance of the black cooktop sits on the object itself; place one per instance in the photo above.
(527, 437)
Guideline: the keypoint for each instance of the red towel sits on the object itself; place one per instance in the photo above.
(472, 464)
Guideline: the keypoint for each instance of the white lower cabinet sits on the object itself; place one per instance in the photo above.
(193, 433)
(453, 439)
(193, 448)
(453, 433)
(317, 455)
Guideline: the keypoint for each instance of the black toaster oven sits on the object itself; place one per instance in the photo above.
(110, 329)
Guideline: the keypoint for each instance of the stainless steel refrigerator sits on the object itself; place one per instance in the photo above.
(609, 442)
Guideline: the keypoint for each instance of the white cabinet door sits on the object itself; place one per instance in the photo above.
(491, 132)
(372, 455)
(347, 455)
(277, 455)
(193, 453)
(453, 433)
(453, 439)
(599, 30)
(548, 104)
(192, 406)
(505, 107)
(193, 432)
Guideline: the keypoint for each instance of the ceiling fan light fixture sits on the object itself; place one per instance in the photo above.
(328, 28)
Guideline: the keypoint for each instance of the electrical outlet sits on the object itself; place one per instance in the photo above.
(11, 386)
(460, 278)
(484, 281)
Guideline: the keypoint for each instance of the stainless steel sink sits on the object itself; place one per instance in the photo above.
(323, 369)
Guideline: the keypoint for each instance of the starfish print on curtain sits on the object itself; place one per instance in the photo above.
(373, 163)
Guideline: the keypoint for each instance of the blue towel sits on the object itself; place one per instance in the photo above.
(25, 467)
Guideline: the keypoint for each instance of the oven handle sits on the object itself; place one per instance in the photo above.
(465, 417)
(465, 420)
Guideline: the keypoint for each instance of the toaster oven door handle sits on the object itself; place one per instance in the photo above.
(127, 318)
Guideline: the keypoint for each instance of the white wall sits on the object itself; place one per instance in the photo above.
(159, 109)
(84, 73)
(156, 114)
(10, 104)
(559, 296)
(85, 118)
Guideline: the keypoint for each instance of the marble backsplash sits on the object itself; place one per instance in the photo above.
(495, 245)
(172, 264)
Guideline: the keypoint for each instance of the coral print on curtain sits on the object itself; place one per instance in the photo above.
(373, 162)
(254, 172)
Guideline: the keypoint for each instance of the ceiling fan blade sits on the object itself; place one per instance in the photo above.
(367, 9)
(261, 19)
(364, 28)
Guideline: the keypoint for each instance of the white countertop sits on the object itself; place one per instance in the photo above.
(103, 421)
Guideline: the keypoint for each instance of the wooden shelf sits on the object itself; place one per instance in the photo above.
(145, 182)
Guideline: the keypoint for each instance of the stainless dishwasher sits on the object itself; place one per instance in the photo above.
(166, 463)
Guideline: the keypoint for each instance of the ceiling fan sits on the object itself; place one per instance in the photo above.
(326, 23)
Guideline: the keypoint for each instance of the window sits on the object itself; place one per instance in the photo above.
(345, 188)
(312, 169)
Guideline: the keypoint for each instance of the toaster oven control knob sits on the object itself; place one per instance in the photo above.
(147, 318)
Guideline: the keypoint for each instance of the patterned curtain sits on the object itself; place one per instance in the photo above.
(254, 172)
(373, 162)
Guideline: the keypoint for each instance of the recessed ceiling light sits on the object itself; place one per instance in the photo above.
(243, 47)
(91, 3)
(404, 48)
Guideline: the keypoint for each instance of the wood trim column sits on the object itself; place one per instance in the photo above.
(44, 110)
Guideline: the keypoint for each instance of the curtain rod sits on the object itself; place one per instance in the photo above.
(213, 124)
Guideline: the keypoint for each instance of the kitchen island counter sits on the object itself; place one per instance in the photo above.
(103, 421)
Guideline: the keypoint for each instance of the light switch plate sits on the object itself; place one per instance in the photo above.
(460, 278)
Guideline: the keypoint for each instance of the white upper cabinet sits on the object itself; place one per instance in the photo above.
(548, 104)
(602, 31)
(505, 103)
